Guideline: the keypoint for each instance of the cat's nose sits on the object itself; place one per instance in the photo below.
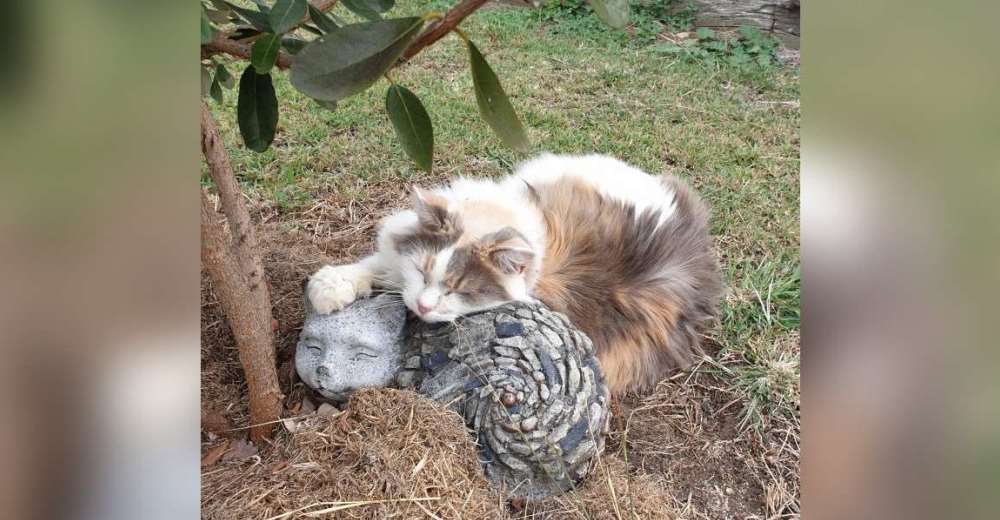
(423, 309)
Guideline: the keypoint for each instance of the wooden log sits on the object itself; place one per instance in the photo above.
(778, 17)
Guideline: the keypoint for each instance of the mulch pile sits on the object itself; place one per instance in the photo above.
(396, 454)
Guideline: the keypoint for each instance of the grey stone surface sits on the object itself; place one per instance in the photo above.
(540, 417)
(358, 347)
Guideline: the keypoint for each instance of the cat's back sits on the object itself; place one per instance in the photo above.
(609, 177)
(628, 259)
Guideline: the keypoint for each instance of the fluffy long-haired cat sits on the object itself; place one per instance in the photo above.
(625, 255)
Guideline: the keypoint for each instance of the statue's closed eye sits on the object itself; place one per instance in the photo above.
(361, 354)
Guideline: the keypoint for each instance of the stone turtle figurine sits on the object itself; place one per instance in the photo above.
(524, 379)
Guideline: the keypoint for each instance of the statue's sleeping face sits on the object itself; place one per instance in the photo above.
(357, 347)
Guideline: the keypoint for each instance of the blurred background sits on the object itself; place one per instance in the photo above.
(99, 262)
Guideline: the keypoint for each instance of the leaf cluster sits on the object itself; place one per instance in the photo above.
(340, 60)
(751, 51)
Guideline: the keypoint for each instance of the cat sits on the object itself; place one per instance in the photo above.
(625, 255)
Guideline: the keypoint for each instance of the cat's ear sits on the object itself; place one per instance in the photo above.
(514, 260)
(508, 251)
(431, 209)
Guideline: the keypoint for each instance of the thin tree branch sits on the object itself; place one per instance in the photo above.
(443, 26)
(221, 44)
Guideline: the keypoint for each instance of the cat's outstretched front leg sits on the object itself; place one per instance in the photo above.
(335, 286)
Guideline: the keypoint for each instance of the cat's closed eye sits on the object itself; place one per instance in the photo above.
(420, 270)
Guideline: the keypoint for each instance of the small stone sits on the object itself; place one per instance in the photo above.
(307, 406)
(543, 392)
(520, 397)
(327, 410)
(506, 352)
(729, 491)
(508, 399)
(412, 362)
(509, 329)
(529, 424)
(574, 378)
(539, 377)
(406, 378)
(505, 362)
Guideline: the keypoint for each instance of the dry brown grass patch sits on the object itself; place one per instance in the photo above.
(390, 454)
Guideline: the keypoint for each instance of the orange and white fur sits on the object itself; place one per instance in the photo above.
(625, 255)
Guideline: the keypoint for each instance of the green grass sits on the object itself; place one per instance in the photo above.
(579, 88)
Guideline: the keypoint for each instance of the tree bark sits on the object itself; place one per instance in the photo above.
(237, 272)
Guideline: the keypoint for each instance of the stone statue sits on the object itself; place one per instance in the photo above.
(524, 379)
(358, 347)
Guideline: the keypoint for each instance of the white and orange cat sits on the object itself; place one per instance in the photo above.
(625, 255)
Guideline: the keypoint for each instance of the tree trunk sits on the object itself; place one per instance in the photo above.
(237, 272)
(779, 17)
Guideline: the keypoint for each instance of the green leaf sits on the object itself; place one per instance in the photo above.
(312, 29)
(207, 33)
(216, 91)
(255, 18)
(220, 17)
(292, 44)
(224, 77)
(380, 6)
(321, 20)
(704, 33)
(360, 8)
(286, 14)
(493, 103)
(244, 32)
(412, 124)
(352, 58)
(264, 52)
(612, 12)
(206, 81)
(257, 110)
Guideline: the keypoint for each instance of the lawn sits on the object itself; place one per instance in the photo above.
(721, 439)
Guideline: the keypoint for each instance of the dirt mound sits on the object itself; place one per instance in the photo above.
(390, 454)
(395, 454)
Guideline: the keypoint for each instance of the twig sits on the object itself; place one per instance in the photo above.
(339, 506)
(435, 32)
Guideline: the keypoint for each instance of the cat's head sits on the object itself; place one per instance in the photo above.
(448, 273)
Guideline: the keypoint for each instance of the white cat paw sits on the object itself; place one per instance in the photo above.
(334, 287)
